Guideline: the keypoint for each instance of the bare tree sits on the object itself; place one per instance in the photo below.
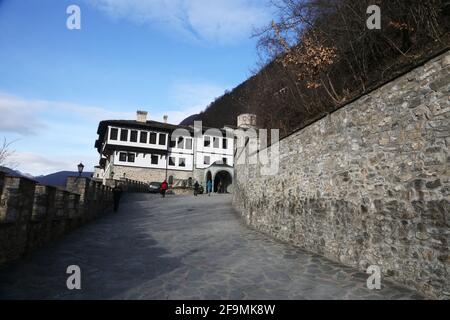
(6, 153)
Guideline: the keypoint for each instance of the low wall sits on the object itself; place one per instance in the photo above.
(150, 175)
(32, 215)
(368, 184)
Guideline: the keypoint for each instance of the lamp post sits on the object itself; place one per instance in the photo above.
(80, 169)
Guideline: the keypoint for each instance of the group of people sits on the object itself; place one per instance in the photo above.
(209, 187)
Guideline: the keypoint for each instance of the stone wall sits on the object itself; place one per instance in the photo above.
(369, 184)
(32, 215)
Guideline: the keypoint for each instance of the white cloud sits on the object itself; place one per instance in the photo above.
(36, 164)
(27, 116)
(19, 116)
(218, 21)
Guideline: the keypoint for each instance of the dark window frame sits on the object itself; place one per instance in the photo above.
(134, 135)
(162, 135)
(123, 156)
(225, 143)
(153, 138)
(114, 134)
(188, 143)
(172, 161)
(124, 135)
(207, 142)
(207, 162)
(180, 143)
(153, 158)
(216, 145)
(143, 134)
(182, 162)
(131, 157)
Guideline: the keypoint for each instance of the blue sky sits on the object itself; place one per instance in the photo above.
(167, 57)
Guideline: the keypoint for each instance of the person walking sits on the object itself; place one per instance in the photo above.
(196, 188)
(209, 187)
(117, 194)
(164, 187)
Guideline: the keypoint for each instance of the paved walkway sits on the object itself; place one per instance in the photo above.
(182, 248)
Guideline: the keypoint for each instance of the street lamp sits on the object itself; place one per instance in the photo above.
(80, 168)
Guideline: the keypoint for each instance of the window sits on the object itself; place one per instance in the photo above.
(144, 136)
(207, 141)
(162, 139)
(225, 143)
(182, 162)
(123, 135)
(133, 136)
(114, 133)
(173, 143)
(123, 157)
(180, 143)
(189, 144)
(216, 142)
(152, 138)
(131, 157)
(155, 159)
(171, 161)
(207, 160)
(224, 160)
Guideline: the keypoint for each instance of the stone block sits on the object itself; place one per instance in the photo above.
(16, 205)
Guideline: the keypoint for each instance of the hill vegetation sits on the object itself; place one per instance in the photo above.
(319, 54)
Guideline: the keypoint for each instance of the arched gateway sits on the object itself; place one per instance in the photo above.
(222, 177)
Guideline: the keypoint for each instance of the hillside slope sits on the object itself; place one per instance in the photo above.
(288, 93)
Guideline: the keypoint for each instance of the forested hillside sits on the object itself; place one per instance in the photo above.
(319, 54)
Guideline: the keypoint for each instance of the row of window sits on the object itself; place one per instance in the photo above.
(131, 157)
(152, 138)
(144, 136)
(182, 143)
(181, 162)
(216, 142)
(207, 160)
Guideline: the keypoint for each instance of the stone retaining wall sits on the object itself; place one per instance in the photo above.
(369, 184)
(32, 215)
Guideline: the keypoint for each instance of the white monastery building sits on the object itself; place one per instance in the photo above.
(151, 151)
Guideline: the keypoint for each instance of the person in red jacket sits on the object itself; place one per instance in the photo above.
(164, 187)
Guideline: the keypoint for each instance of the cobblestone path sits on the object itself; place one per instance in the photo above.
(182, 248)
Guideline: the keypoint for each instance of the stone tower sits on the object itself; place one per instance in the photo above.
(246, 121)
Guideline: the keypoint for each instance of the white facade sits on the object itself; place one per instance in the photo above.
(154, 149)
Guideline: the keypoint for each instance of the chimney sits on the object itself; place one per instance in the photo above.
(246, 121)
(166, 117)
(141, 116)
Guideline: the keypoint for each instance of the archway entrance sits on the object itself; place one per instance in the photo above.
(222, 182)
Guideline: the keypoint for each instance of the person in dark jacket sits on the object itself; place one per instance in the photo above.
(196, 188)
(209, 187)
(164, 187)
(117, 194)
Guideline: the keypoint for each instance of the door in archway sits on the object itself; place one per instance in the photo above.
(222, 182)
